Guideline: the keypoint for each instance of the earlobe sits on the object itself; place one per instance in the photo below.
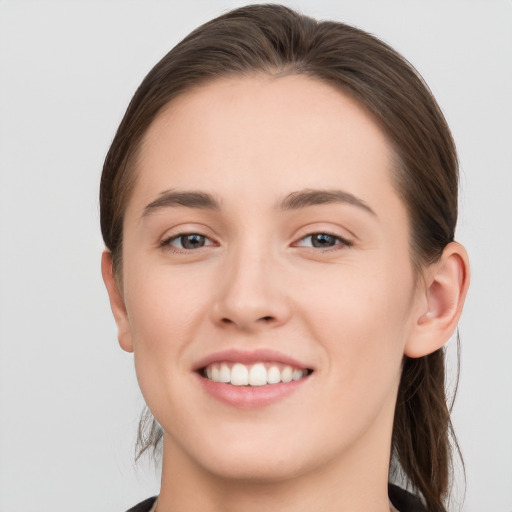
(447, 283)
(116, 302)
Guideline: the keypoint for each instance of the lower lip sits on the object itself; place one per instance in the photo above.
(250, 397)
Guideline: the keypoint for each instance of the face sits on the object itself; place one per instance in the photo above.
(265, 241)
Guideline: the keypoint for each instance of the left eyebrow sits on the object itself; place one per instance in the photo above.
(189, 199)
(312, 197)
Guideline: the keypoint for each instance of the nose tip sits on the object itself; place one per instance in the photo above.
(250, 297)
(247, 315)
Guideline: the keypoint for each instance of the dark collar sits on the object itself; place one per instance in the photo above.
(401, 499)
(404, 501)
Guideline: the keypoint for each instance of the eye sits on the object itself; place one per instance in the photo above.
(323, 241)
(186, 242)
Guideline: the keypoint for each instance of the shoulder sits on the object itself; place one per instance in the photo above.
(143, 506)
(404, 501)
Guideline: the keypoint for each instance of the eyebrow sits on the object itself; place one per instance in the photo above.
(313, 197)
(173, 198)
(294, 201)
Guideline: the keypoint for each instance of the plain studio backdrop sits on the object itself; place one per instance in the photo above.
(69, 402)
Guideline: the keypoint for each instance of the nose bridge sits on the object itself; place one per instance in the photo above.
(250, 292)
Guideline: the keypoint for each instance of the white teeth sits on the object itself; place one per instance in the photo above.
(256, 375)
(224, 374)
(239, 375)
(297, 374)
(273, 375)
(287, 374)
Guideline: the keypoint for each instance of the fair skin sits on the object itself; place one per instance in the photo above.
(269, 272)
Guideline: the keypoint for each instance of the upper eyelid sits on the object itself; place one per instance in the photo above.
(201, 233)
(344, 240)
(329, 228)
(168, 239)
(177, 231)
(337, 232)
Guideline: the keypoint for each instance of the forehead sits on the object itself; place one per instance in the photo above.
(264, 133)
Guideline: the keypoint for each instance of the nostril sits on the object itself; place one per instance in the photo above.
(263, 319)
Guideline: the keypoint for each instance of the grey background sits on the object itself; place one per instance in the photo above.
(69, 401)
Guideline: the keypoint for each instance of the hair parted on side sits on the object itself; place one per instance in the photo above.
(276, 40)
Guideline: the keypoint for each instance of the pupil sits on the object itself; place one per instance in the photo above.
(192, 241)
(323, 240)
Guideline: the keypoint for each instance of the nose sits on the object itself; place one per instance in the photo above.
(251, 296)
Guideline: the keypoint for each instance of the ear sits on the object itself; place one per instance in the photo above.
(124, 333)
(440, 305)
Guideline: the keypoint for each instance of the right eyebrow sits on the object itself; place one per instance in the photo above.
(172, 198)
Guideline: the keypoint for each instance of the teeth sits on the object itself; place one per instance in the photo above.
(273, 375)
(224, 374)
(256, 375)
(297, 374)
(287, 374)
(239, 375)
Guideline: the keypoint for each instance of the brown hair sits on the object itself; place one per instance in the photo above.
(276, 40)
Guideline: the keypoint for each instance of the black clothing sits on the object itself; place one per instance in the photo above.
(143, 506)
(402, 500)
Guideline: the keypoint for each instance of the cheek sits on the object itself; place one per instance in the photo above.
(360, 315)
(163, 308)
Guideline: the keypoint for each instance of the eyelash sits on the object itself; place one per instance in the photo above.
(166, 244)
(340, 242)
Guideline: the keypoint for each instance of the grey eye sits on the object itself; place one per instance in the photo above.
(189, 241)
(323, 240)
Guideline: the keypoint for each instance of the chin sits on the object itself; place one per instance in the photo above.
(250, 455)
(254, 468)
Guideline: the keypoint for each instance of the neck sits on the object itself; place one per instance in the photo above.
(357, 482)
(299, 495)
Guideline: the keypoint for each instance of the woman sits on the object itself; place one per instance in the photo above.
(278, 207)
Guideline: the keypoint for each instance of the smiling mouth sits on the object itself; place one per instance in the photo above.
(258, 374)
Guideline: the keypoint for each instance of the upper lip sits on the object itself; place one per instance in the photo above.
(249, 357)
